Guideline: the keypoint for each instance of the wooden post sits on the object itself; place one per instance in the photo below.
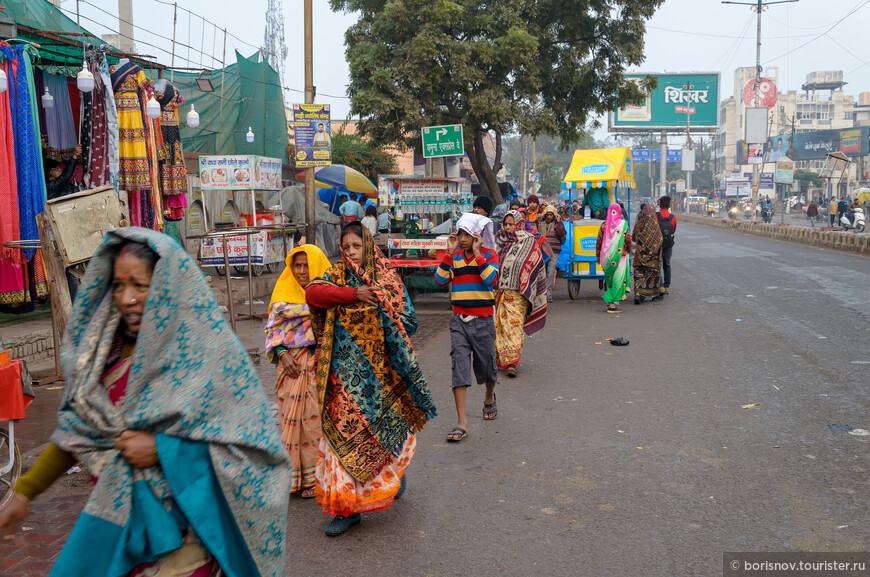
(55, 274)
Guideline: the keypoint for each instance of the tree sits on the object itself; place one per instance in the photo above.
(533, 66)
(355, 151)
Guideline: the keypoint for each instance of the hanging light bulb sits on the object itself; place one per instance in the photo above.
(47, 99)
(250, 135)
(152, 109)
(84, 79)
(4, 83)
(192, 117)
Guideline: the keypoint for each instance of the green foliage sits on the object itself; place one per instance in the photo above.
(807, 178)
(355, 151)
(534, 66)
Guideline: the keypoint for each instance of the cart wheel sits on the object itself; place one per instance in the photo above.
(241, 270)
(601, 284)
(271, 267)
(7, 481)
(219, 270)
(573, 289)
(257, 269)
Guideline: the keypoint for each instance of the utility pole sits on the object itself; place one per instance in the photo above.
(663, 169)
(758, 6)
(309, 99)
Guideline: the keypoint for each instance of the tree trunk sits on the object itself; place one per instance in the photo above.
(485, 173)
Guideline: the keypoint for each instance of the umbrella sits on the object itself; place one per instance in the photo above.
(344, 178)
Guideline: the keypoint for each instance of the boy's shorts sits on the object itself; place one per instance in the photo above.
(472, 346)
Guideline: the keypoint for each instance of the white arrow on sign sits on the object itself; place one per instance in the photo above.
(438, 133)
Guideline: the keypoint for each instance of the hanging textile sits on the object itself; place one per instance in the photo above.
(153, 143)
(111, 116)
(60, 126)
(134, 173)
(173, 174)
(30, 176)
(9, 230)
(97, 157)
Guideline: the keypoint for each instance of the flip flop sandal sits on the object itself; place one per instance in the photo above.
(340, 524)
(619, 342)
(490, 410)
(308, 493)
(511, 372)
(456, 435)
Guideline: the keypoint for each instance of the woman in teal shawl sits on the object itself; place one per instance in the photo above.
(164, 409)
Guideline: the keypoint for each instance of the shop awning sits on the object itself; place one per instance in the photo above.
(600, 168)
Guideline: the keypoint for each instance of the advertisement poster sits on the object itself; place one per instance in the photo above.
(667, 105)
(755, 153)
(818, 144)
(311, 135)
(239, 172)
(738, 187)
(265, 248)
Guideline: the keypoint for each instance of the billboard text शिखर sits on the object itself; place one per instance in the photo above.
(665, 107)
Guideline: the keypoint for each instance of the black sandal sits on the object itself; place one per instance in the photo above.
(456, 435)
(490, 410)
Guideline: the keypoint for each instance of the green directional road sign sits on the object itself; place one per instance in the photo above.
(443, 141)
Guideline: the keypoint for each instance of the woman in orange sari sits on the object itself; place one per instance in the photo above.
(290, 345)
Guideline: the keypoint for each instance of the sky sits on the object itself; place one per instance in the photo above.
(683, 36)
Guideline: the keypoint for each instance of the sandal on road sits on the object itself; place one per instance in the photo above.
(490, 410)
(456, 435)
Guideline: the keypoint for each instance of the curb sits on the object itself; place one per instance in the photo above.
(837, 240)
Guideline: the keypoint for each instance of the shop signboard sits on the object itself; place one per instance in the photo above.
(311, 135)
(655, 154)
(265, 248)
(239, 172)
(666, 107)
(441, 141)
(784, 176)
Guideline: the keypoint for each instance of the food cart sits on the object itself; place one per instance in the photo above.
(425, 206)
(253, 174)
(609, 168)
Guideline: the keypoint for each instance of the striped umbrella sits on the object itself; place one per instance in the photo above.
(343, 178)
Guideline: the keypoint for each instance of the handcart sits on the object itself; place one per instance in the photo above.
(609, 168)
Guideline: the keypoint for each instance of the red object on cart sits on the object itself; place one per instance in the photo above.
(13, 401)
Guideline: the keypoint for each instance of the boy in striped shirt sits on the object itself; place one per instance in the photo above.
(473, 272)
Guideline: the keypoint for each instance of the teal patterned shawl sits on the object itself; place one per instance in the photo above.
(190, 379)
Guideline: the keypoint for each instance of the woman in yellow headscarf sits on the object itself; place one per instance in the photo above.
(290, 344)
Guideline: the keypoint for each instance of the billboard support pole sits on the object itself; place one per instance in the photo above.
(310, 213)
(663, 169)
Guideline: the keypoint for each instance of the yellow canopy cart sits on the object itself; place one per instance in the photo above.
(609, 168)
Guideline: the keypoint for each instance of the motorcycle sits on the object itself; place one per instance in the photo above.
(856, 222)
(732, 212)
(767, 214)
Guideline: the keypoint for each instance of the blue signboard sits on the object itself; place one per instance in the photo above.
(645, 154)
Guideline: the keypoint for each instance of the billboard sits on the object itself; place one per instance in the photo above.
(817, 144)
(666, 107)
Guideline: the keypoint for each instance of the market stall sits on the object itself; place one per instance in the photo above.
(606, 170)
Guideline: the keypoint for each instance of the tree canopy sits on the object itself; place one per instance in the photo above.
(356, 152)
(499, 66)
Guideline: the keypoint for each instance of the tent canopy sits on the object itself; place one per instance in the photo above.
(600, 168)
(41, 22)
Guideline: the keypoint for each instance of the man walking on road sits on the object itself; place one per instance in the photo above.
(812, 213)
(668, 224)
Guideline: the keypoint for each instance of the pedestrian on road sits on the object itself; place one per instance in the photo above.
(350, 210)
(163, 409)
(611, 250)
(842, 209)
(668, 223)
(373, 397)
(290, 345)
(483, 207)
(370, 220)
(472, 271)
(812, 213)
(384, 220)
(647, 236)
(553, 230)
(521, 298)
(533, 211)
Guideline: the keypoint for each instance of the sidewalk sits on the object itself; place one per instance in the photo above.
(54, 513)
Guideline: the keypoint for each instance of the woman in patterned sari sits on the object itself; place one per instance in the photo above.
(373, 397)
(290, 345)
(647, 237)
(165, 411)
(521, 298)
(611, 250)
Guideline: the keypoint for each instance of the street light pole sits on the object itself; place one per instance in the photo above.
(309, 99)
(758, 6)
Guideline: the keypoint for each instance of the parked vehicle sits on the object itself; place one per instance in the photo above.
(853, 220)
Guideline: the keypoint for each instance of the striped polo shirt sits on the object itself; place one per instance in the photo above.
(473, 281)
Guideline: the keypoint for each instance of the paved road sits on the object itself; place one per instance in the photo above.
(636, 460)
(640, 460)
